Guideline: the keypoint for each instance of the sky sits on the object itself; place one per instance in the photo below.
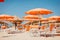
(19, 7)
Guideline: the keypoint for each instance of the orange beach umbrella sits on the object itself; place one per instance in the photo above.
(5, 17)
(40, 11)
(54, 18)
(31, 17)
(44, 20)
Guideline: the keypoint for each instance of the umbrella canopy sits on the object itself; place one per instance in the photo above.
(44, 20)
(56, 18)
(10, 19)
(17, 19)
(5, 17)
(31, 17)
(40, 11)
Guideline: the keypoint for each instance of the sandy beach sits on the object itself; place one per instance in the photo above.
(24, 36)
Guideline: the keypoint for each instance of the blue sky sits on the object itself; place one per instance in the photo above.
(19, 7)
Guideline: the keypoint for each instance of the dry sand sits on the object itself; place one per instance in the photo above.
(24, 36)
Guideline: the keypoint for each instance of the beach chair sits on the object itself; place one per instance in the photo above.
(27, 28)
(34, 31)
(42, 30)
(52, 30)
(3, 28)
(19, 28)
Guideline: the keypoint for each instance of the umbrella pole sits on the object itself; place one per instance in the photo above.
(15, 25)
(40, 20)
(31, 22)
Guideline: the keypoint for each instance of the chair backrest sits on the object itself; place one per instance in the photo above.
(27, 28)
(43, 27)
(51, 27)
(23, 26)
(19, 27)
(3, 27)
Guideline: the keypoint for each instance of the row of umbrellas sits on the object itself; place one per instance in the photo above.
(33, 15)
(36, 14)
